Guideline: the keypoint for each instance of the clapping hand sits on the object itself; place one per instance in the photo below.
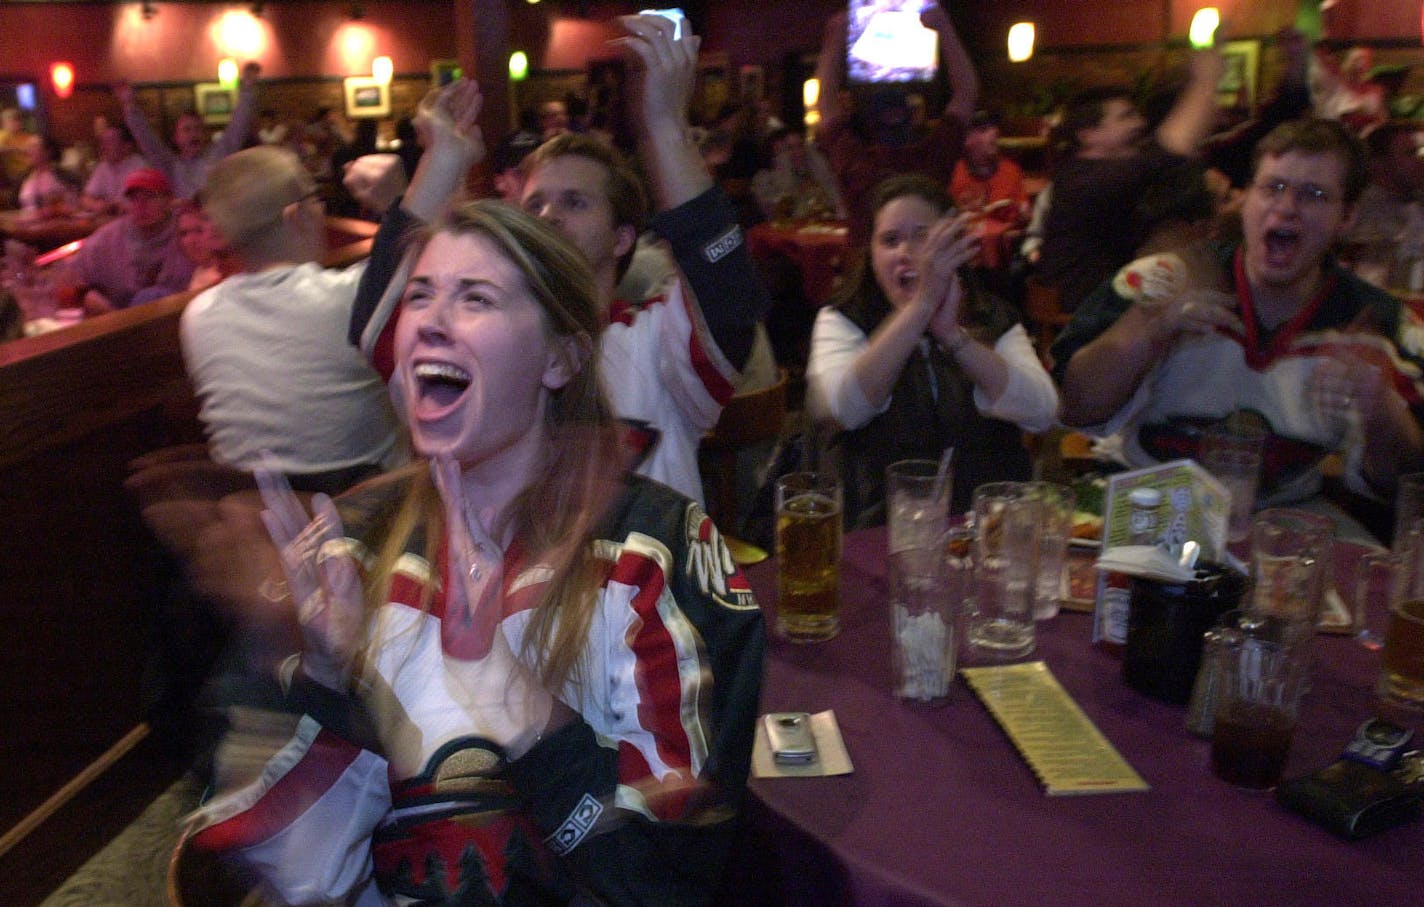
(321, 578)
(950, 243)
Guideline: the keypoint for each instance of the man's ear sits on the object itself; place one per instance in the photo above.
(627, 238)
(568, 354)
(1347, 220)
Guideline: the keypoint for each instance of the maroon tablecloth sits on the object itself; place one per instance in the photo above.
(942, 810)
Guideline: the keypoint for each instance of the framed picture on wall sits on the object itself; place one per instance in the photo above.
(1237, 87)
(366, 98)
(443, 72)
(214, 102)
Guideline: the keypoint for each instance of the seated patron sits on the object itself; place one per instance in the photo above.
(984, 179)
(265, 349)
(911, 357)
(104, 191)
(1094, 226)
(1388, 232)
(799, 182)
(1270, 326)
(44, 188)
(135, 252)
(542, 685)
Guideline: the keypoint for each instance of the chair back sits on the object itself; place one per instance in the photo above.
(748, 418)
(1045, 314)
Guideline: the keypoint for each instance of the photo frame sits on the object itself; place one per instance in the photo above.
(1238, 80)
(366, 98)
(214, 102)
(443, 72)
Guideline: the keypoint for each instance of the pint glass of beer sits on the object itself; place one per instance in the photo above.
(808, 556)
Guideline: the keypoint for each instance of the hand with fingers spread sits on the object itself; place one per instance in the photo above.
(321, 577)
(474, 601)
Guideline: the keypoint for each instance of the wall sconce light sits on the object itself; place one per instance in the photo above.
(810, 93)
(518, 66)
(227, 72)
(61, 75)
(382, 69)
(148, 10)
(1202, 32)
(1021, 38)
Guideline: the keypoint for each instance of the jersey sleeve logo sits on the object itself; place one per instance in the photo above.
(710, 566)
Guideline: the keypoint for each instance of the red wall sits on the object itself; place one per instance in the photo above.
(111, 42)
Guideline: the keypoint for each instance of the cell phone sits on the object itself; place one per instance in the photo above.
(885, 42)
(789, 735)
(672, 14)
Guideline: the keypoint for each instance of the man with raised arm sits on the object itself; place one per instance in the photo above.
(187, 166)
(1272, 329)
(672, 360)
(1094, 225)
(864, 149)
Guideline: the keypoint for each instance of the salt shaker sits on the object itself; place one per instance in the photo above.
(1201, 710)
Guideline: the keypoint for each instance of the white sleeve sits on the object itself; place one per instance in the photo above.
(831, 389)
(304, 826)
(696, 374)
(1029, 399)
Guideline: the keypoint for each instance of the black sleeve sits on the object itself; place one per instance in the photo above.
(712, 254)
(1232, 152)
(387, 248)
(342, 715)
(1098, 312)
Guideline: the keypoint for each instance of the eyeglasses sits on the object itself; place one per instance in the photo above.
(1305, 194)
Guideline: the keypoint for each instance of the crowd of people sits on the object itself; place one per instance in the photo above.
(528, 667)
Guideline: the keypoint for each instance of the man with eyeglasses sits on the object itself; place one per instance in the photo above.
(1271, 327)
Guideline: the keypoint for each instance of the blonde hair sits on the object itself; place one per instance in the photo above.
(246, 194)
(556, 516)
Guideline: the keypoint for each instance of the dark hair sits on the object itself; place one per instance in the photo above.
(1320, 136)
(860, 296)
(1085, 110)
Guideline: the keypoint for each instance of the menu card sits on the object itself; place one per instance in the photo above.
(1063, 747)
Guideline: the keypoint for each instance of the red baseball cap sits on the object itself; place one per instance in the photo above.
(149, 180)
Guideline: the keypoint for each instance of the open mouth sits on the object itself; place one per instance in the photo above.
(907, 279)
(439, 386)
(1281, 247)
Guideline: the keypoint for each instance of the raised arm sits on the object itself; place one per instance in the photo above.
(830, 64)
(453, 142)
(244, 114)
(663, 71)
(694, 216)
(963, 78)
(1190, 119)
(152, 147)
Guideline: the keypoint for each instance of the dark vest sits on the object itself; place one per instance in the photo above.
(931, 408)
